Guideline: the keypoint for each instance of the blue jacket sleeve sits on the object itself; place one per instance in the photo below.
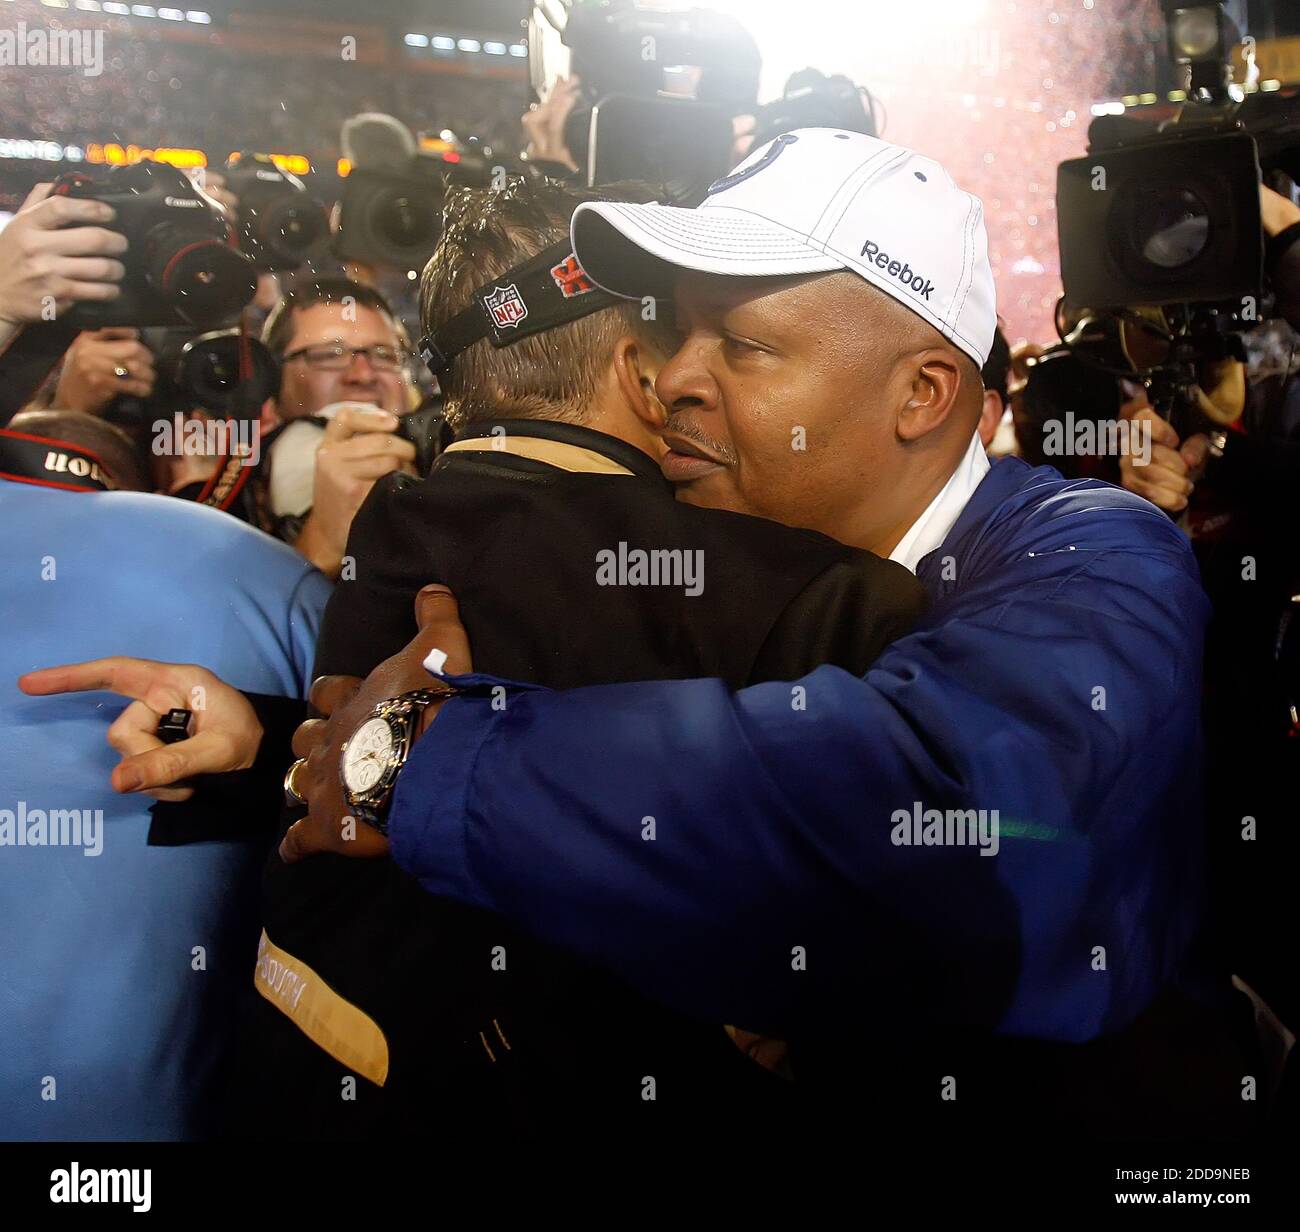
(744, 856)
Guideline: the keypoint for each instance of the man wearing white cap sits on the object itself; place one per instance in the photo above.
(914, 285)
(967, 880)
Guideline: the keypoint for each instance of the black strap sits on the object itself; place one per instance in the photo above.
(546, 291)
(226, 483)
(51, 463)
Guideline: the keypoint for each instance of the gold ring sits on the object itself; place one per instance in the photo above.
(291, 792)
(122, 372)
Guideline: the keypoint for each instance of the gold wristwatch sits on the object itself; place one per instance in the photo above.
(370, 760)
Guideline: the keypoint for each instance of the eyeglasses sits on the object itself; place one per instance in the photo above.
(334, 357)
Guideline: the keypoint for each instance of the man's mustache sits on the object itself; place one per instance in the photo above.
(680, 424)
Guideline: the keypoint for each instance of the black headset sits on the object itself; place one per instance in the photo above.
(541, 293)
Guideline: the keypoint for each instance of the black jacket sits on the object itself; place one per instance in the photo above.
(541, 552)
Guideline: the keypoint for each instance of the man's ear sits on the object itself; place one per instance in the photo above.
(990, 416)
(936, 388)
(635, 369)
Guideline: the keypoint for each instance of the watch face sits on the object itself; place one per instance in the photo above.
(368, 756)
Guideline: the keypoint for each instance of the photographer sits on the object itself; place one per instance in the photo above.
(101, 365)
(342, 352)
(1234, 491)
(1243, 459)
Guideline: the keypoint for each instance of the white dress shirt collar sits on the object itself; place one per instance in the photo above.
(930, 529)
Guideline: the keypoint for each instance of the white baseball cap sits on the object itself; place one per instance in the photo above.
(812, 201)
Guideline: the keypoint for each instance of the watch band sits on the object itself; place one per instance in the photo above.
(404, 703)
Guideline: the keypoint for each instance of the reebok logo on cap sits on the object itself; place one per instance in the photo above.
(904, 274)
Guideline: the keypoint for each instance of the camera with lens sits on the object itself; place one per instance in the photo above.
(811, 99)
(1161, 240)
(1067, 396)
(182, 264)
(667, 117)
(391, 219)
(390, 211)
(279, 222)
(426, 429)
(225, 372)
(1165, 218)
(633, 120)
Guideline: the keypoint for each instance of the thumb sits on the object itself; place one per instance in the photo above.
(297, 842)
(1195, 450)
(438, 615)
(170, 763)
(350, 421)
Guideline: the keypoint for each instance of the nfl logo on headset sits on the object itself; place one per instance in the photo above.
(506, 306)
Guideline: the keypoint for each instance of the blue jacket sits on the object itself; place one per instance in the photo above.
(1055, 679)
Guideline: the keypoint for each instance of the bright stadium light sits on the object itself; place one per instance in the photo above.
(469, 45)
(416, 40)
(518, 49)
(862, 41)
(143, 10)
(442, 42)
(495, 49)
(122, 10)
(172, 14)
(198, 17)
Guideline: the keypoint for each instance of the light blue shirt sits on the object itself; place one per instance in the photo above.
(117, 959)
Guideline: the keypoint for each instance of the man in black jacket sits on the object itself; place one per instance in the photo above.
(382, 1007)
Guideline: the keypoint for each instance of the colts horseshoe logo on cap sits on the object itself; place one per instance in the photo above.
(773, 153)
